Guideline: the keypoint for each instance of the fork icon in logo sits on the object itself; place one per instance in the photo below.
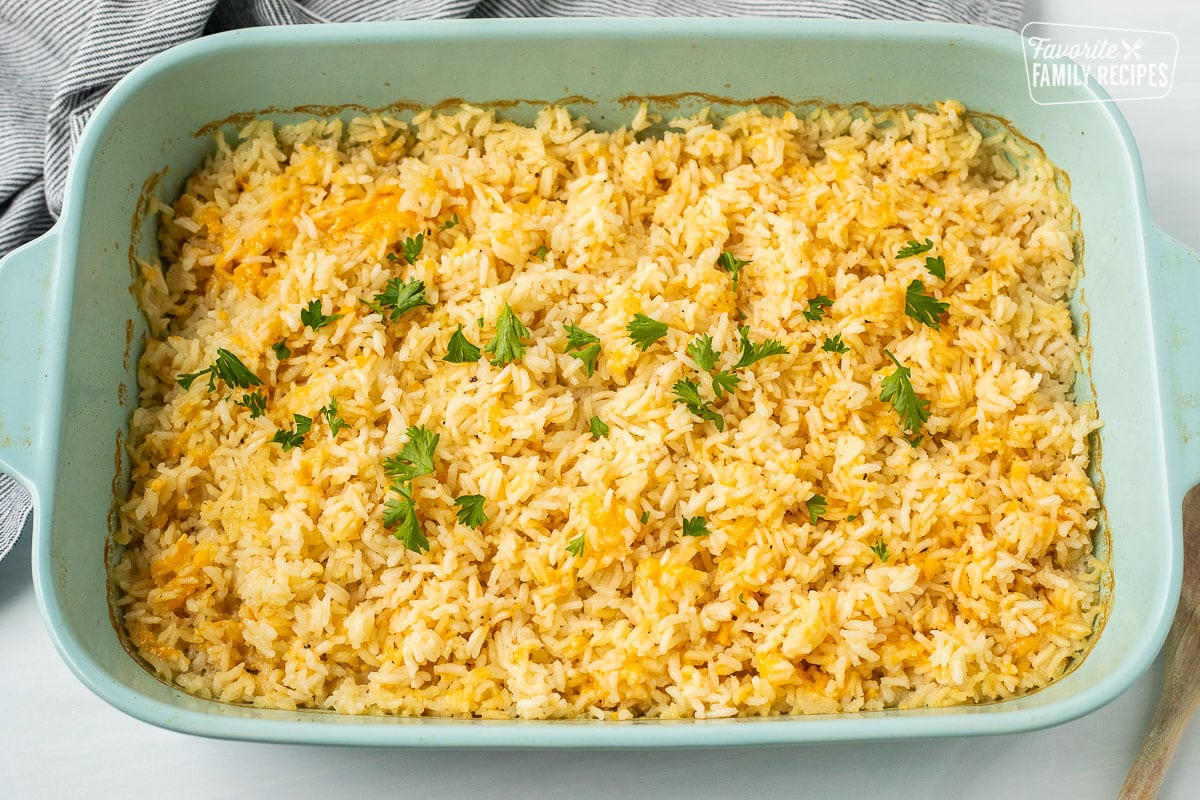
(1132, 49)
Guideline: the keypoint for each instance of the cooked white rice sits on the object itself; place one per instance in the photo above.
(258, 575)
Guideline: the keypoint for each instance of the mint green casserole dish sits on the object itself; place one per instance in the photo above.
(70, 328)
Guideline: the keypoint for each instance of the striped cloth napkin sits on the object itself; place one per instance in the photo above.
(57, 60)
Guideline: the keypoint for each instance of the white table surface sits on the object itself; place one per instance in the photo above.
(59, 740)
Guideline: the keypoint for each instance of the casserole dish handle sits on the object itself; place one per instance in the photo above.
(1177, 319)
(31, 330)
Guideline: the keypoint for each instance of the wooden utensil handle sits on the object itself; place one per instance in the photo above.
(1181, 675)
(1179, 699)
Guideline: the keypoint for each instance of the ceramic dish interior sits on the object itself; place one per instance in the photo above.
(70, 328)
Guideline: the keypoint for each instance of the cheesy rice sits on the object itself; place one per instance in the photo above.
(852, 562)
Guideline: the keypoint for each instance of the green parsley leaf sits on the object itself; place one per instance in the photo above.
(816, 507)
(415, 458)
(412, 246)
(851, 518)
(401, 514)
(231, 370)
(584, 346)
(575, 546)
(508, 345)
(915, 442)
(330, 413)
(228, 368)
(281, 349)
(897, 389)
(922, 307)
(742, 598)
(450, 223)
(399, 297)
(645, 331)
(733, 265)
(936, 267)
(834, 344)
(915, 248)
(880, 549)
(597, 427)
(187, 379)
(688, 393)
(645, 517)
(695, 526)
(290, 438)
(256, 402)
(753, 353)
(816, 308)
(724, 382)
(459, 349)
(397, 510)
(470, 510)
(701, 351)
(314, 318)
(542, 252)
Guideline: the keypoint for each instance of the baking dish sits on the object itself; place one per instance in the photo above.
(69, 327)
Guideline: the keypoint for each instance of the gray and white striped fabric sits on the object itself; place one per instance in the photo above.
(59, 57)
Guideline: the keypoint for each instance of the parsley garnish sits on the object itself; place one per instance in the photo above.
(816, 308)
(915, 442)
(293, 438)
(645, 331)
(914, 248)
(597, 427)
(851, 518)
(724, 382)
(752, 353)
(695, 526)
(575, 546)
(880, 549)
(816, 507)
(281, 349)
(584, 346)
(450, 223)
(834, 344)
(542, 252)
(256, 402)
(412, 246)
(228, 368)
(459, 350)
(508, 345)
(645, 517)
(701, 351)
(313, 317)
(399, 297)
(936, 267)
(400, 513)
(415, 458)
(897, 389)
(733, 265)
(330, 413)
(922, 307)
(470, 510)
(688, 393)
